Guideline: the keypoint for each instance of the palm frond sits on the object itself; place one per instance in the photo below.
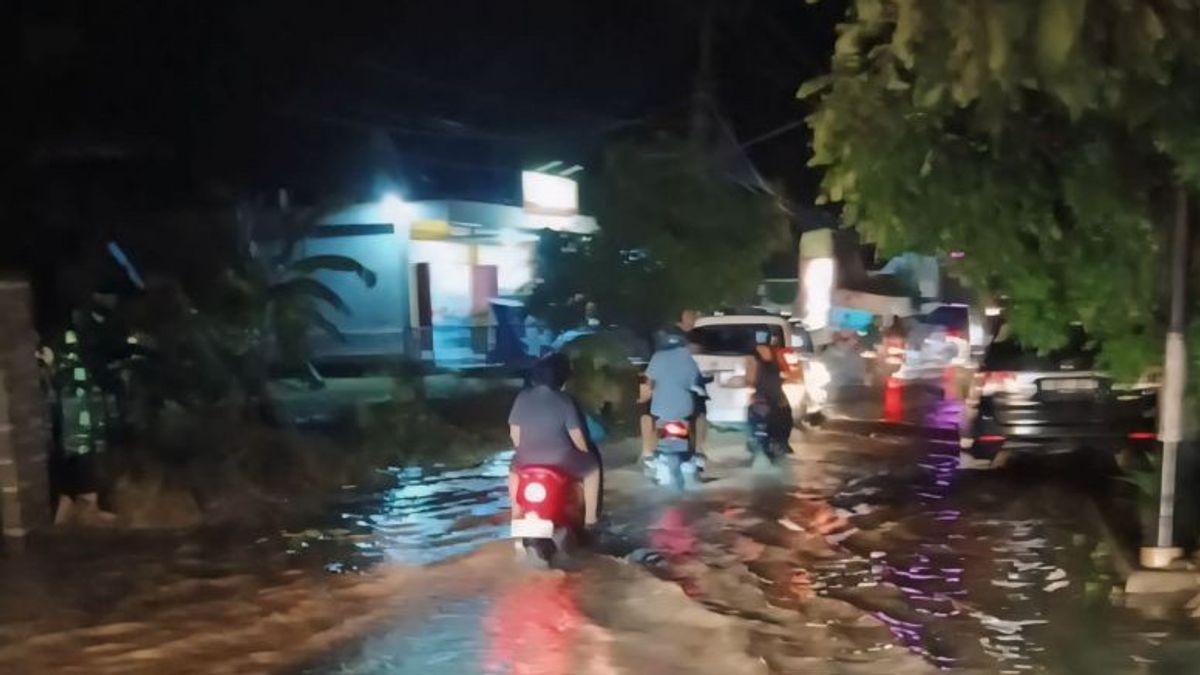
(307, 288)
(334, 263)
(321, 322)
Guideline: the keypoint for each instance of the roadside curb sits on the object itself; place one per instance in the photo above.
(1139, 581)
(1142, 582)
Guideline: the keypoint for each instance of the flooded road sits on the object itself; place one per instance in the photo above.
(863, 556)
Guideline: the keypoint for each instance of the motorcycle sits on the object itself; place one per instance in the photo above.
(675, 462)
(547, 518)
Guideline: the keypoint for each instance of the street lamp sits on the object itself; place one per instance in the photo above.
(393, 206)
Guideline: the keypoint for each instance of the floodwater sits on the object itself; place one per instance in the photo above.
(863, 556)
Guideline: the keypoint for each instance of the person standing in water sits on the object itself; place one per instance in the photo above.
(766, 374)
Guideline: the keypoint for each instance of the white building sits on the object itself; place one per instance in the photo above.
(439, 265)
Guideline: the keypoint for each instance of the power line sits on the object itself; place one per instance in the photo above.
(493, 98)
(778, 131)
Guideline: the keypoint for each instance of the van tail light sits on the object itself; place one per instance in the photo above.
(675, 430)
(1143, 436)
(991, 438)
(791, 357)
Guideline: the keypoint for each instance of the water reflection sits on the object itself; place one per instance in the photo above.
(533, 629)
(445, 643)
(893, 401)
(431, 515)
(970, 572)
(965, 571)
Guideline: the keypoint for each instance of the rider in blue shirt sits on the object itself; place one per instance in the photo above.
(673, 376)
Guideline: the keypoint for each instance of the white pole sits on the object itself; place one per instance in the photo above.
(1171, 398)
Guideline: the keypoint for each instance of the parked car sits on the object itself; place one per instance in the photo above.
(948, 336)
(959, 321)
(725, 344)
(1025, 402)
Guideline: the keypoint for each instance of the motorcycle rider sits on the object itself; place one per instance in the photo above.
(673, 375)
(546, 429)
(769, 404)
(684, 327)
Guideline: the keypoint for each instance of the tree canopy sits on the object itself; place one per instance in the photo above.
(675, 233)
(1043, 138)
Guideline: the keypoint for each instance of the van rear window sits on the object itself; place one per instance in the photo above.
(732, 338)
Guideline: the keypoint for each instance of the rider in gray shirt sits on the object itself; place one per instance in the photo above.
(546, 430)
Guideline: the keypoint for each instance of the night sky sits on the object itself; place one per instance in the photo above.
(455, 95)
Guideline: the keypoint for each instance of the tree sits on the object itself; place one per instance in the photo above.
(209, 337)
(1044, 139)
(271, 301)
(675, 233)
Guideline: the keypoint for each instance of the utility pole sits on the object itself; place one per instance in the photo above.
(1171, 397)
(702, 88)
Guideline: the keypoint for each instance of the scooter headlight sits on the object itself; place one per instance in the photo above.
(535, 493)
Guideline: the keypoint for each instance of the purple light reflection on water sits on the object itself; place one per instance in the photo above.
(915, 576)
(899, 623)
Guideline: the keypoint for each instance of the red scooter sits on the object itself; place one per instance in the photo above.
(547, 517)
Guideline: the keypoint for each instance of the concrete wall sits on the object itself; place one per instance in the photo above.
(515, 262)
(24, 430)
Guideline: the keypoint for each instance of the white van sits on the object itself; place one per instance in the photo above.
(727, 342)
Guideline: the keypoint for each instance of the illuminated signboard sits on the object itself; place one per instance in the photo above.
(549, 194)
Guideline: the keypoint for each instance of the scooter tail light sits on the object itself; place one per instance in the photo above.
(534, 493)
(675, 430)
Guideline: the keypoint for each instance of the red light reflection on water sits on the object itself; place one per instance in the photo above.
(533, 628)
(893, 401)
(950, 383)
(672, 536)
